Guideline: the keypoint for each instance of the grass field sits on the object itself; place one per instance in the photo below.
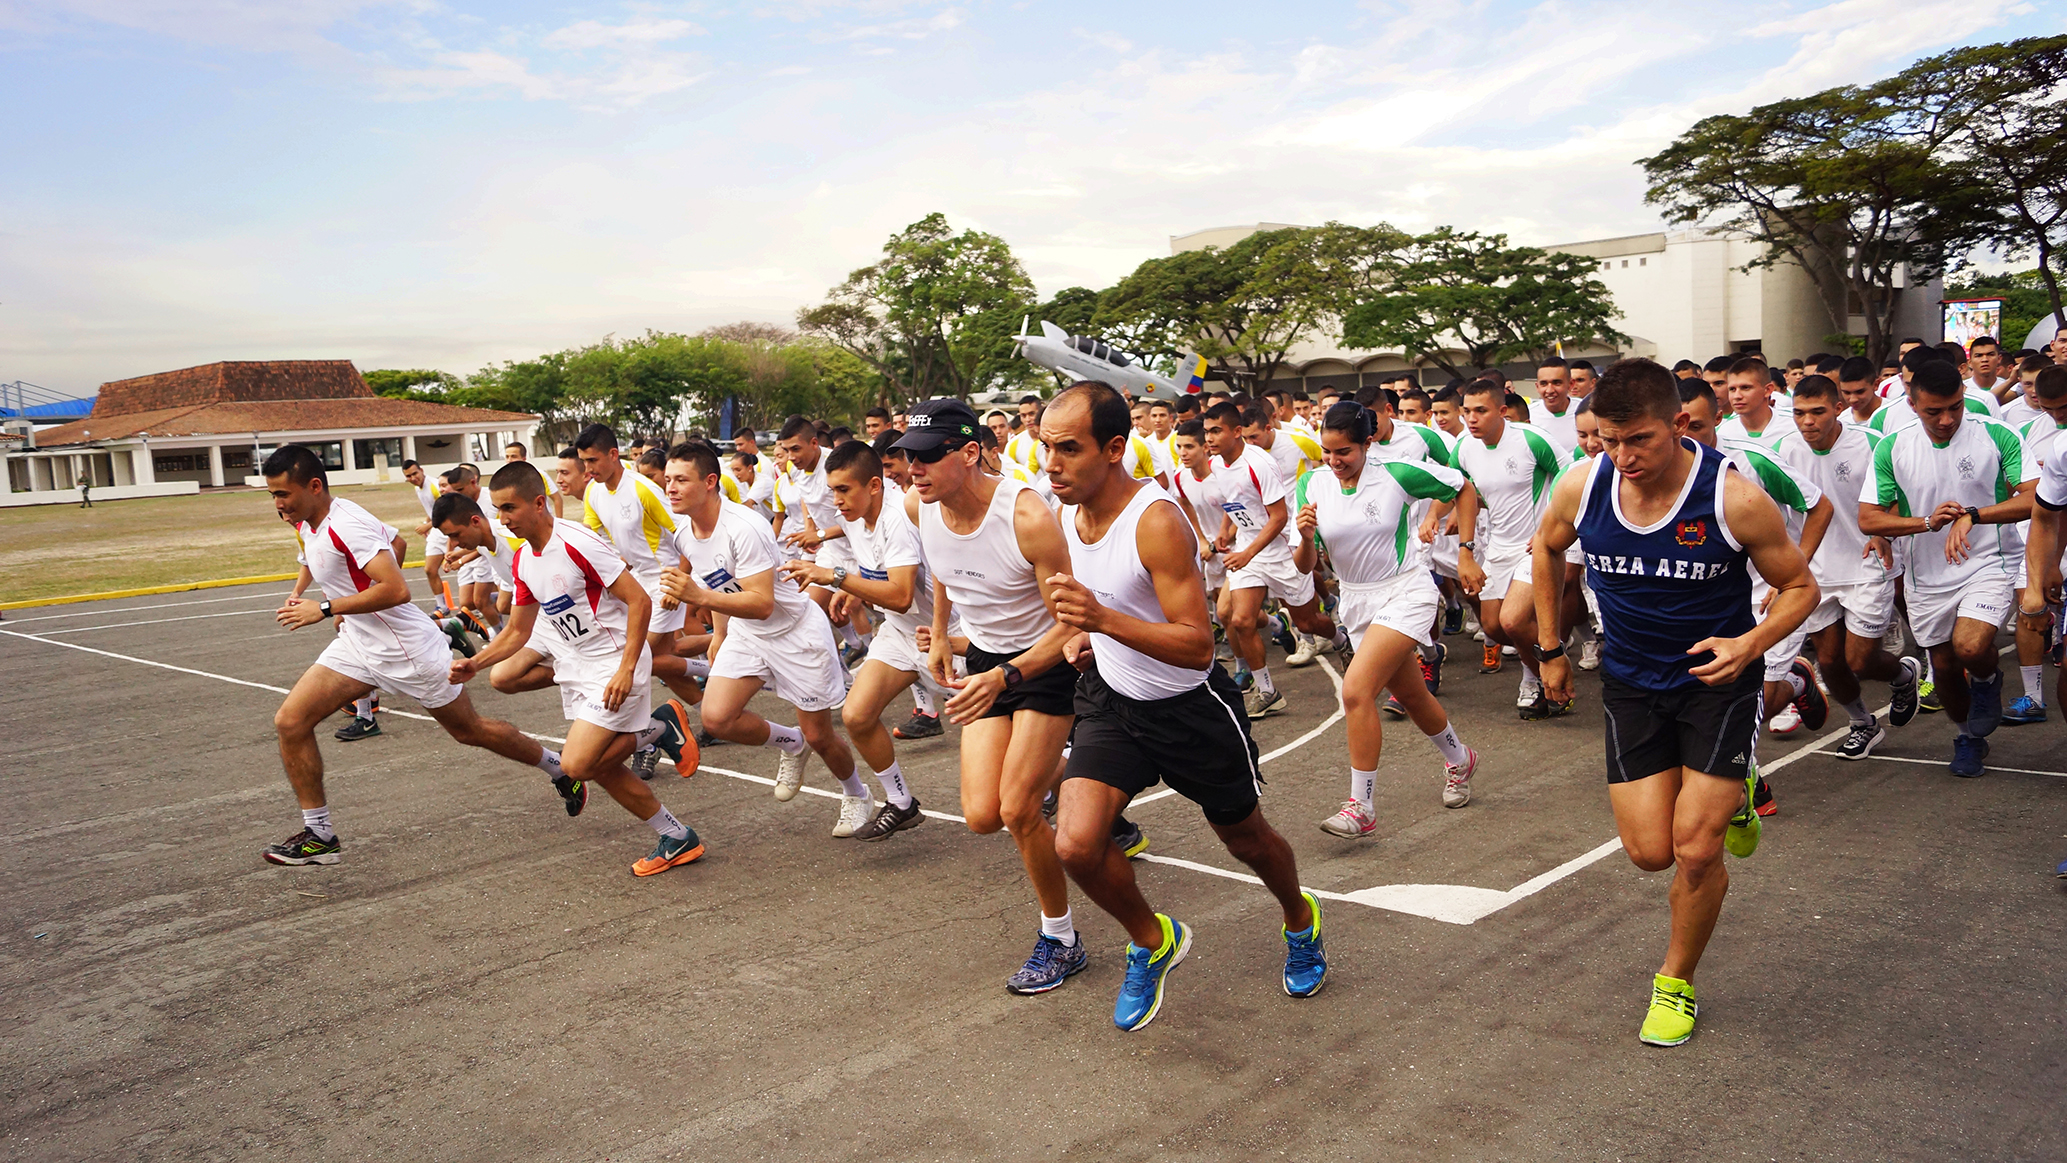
(50, 551)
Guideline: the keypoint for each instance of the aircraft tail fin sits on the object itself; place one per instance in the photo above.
(1197, 383)
(1053, 332)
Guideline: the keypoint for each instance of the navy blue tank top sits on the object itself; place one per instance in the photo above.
(1663, 588)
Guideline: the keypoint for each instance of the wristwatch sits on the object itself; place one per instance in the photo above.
(1543, 655)
(1973, 514)
(1012, 676)
(839, 576)
(1471, 545)
(325, 607)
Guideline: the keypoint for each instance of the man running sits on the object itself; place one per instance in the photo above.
(572, 585)
(818, 534)
(1553, 411)
(1965, 475)
(1150, 704)
(383, 641)
(1668, 531)
(995, 541)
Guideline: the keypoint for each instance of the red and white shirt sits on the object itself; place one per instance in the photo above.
(569, 581)
(1245, 489)
(337, 551)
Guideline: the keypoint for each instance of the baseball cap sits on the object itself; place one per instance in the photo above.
(934, 423)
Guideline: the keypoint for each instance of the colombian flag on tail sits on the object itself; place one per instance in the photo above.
(1198, 377)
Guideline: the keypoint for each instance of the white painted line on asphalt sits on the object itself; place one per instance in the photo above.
(157, 606)
(154, 621)
(1990, 767)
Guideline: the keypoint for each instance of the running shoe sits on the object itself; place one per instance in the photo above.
(1244, 678)
(1969, 753)
(1864, 737)
(1544, 707)
(1927, 699)
(455, 633)
(2025, 710)
(304, 848)
(1355, 821)
(1306, 651)
(855, 813)
(1810, 704)
(574, 792)
(853, 656)
(1278, 629)
(1432, 669)
(1306, 962)
(1453, 620)
(2060, 870)
(1906, 692)
(1392, 706)
(1471, 627)
(359, 729)
(919, 726)
(670, 852)
(1129, 836)
(1052, 964)
(789, 774)
(1787, 722)
(1762, 800)
(1259, 702)
(645, 763)
(890, 820)
(1457, 781)
(1671, 1017)
(1985, 714)
(1141, 994)
(468, 619)
(1589, 655)
(1048, 805)
(1741, 837)
(1529, 691)
(1491, 664)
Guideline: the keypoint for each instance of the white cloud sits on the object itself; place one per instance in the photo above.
(593, 34)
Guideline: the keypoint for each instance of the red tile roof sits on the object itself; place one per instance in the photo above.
(248, 381)
(280, 417)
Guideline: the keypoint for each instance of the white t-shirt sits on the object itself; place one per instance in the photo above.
(1369, 530)
(1839, 473)
(741, 545)
(1244, 490)
(1773, 437)
(893, 543)
(427, 495)
(1895, 412)
(1562, 430)
(1203, 498)
(1513, 480)
(637, 520)
(569, 581)
(2052, 477)
(337, 551)
(1296, 453)
(1982, 464)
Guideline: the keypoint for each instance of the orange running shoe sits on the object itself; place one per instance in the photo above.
(670, 852)
(1492, 663)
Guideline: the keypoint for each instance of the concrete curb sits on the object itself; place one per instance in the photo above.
(147, 591)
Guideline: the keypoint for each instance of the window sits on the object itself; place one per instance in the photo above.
(1625, 264)
(363, 452)
(180, 462)
(1642, 262)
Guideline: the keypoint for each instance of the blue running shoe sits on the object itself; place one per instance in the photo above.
(1968, 752)
(1306, 963)
(1243, 677)
(2060, 870)
(2025, 710)
(1986, 712)
(1141, 994)
(1052, 964)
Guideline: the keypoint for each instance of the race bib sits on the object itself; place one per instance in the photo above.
(1239, 513)
(567, 617)
(721, 580)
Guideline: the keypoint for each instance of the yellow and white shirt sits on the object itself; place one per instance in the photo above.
(636, 519)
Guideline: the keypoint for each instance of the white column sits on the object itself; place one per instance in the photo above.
(409, 448)
(140, 466)
(215, 465)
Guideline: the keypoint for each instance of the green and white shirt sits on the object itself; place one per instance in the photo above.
(1895, 413)
(1369, 529)
(1982, 464)
(1513, 480)
(1839, 472)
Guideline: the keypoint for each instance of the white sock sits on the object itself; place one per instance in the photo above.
(317, 820)
(1263, 682)
(1930, 670)
(1856, 712)
(696, 667)
(848, 636)
(2034, 682)
(664, 822)
(789, 739)
(923, 699)
(1796, 683)
(1430, 651)
(649, 734)
(1062, 928)
(364, 707)
(1363, 785)
(1453, 749)
(1530, 682)
(853, 786)
(549, 762)
(892, 779)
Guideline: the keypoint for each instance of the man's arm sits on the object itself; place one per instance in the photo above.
(516, 631)
(754, 601)
(1185, 636)
(1554, 534)
(1274, 520)
(387, 591)
(1816, 525)
(895, 594)
(1040, 540)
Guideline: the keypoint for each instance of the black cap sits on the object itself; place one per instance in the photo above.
(932, 423)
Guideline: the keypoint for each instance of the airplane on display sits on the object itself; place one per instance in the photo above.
(1083, 358)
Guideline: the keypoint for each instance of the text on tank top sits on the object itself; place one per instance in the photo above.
(1668, 585)
(1111, 568)
(989, 581)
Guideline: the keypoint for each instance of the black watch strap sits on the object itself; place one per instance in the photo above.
(1543, 655)
(325, 607)
(1973, 514)
(1012, 676)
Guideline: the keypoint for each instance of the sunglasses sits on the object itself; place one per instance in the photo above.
(938, 453)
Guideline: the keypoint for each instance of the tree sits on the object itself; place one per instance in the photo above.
(1448, 291)
(411, 383)
(1849, 183)
(934, 316)
(2006, 126)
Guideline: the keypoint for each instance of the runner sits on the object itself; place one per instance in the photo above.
(1150, 703)
(819, 536)
(2047, 395)
(1553, 411)
(383, 640)
(1510, 468)
(427, 494)
(1953, 472)
(1362, 511)
(1756, 416)
(1397, 441)
(995, 540)
(1668, 531)
(1257, 555)
(515, 451)
(771, 635)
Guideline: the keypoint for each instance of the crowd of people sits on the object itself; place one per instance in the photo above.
(1090, 588)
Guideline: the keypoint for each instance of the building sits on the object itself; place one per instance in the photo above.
(214, 425)
(1683, 294)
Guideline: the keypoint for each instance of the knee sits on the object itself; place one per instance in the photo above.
(984, 821)
(1651, 857)
(720, 721)
(290, 723)
(819, 734)
(1022, 818)
(506, 679)
(1358, 693)
(855, 720)
(1080, 854)
(1698, 857)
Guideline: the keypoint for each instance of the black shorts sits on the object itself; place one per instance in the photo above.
(1052, 692)
(1699, 727)
(1197, 742)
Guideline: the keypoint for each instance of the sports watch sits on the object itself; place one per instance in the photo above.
(1012, 676)
(1973, 514)
(1543, 655)
(325, 607)
(839, 576)
(1471, 545)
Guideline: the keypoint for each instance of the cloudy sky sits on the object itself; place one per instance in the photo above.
(449, 183)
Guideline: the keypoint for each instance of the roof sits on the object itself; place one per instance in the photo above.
(247, 381)
(279, 416)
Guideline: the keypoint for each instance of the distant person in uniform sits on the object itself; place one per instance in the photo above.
(85, 491)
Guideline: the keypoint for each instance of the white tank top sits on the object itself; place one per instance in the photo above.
(991, 583)
(1111, 568)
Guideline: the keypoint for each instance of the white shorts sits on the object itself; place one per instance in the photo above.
(426, 679)
(1276, 574)
(1442, 554)
(435, 543)
(901, 652)
(835, 553)
(1216, 573)
(1988, 598)
(476, 572)
(1867, 608)
(803, 669)
(664, 621)
(1407, 603)
(1505, 569)
(581, 681)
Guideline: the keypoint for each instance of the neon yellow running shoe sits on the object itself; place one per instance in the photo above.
(1740, 839)
(1671, 1018)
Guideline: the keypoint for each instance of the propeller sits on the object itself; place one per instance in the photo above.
(1019, 340)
